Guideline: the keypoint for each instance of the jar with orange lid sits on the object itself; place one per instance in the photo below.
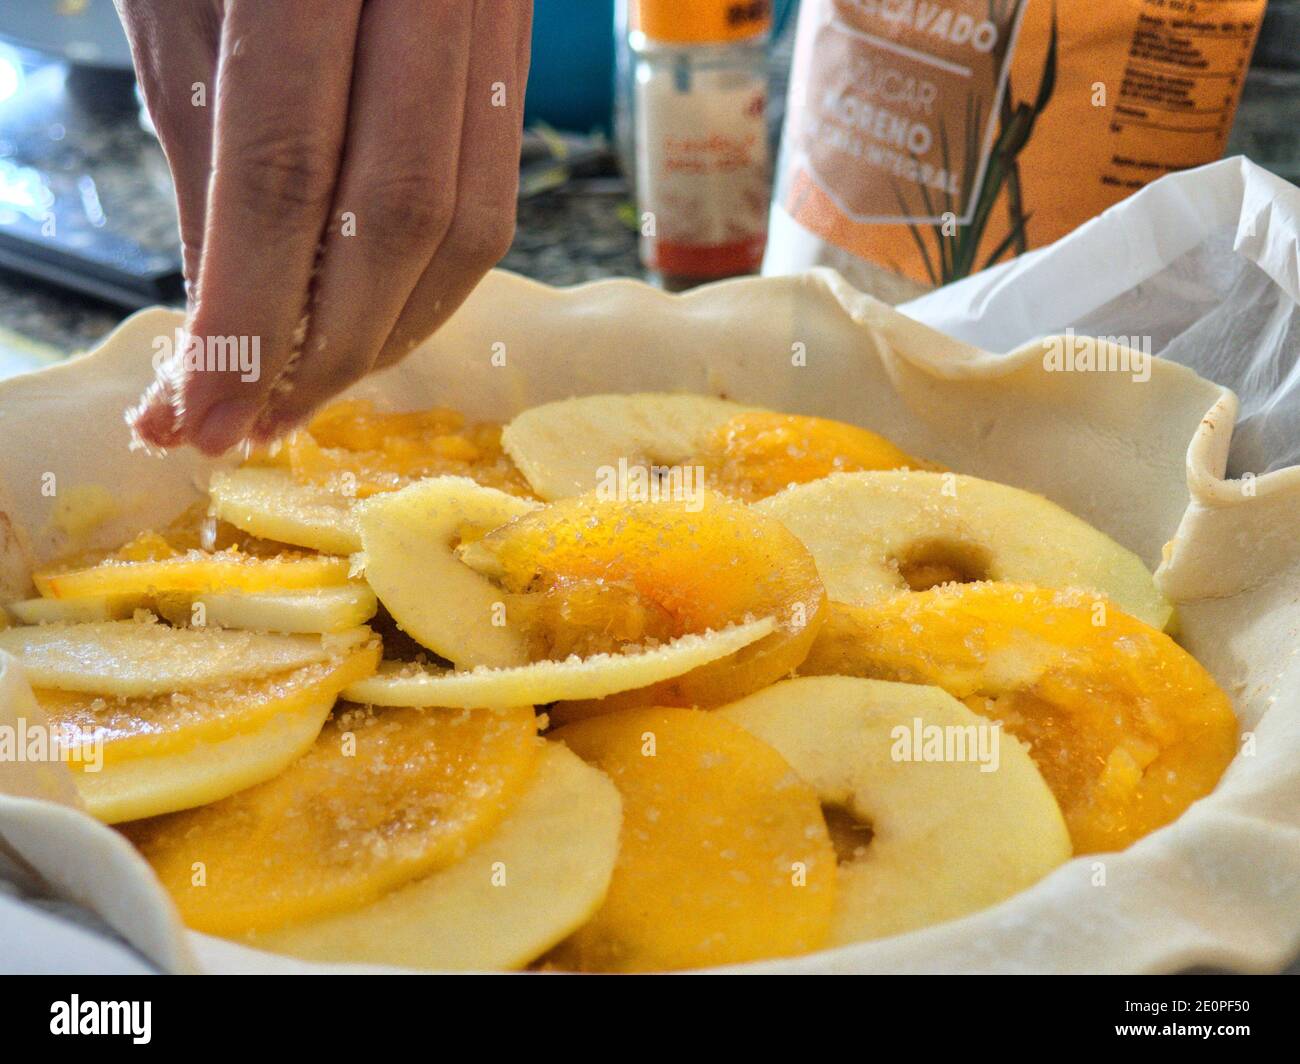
(699, 97)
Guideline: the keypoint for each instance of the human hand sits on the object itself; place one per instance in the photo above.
(346, 172)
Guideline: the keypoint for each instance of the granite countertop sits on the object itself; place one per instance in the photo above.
(109, 187)
(564, 237)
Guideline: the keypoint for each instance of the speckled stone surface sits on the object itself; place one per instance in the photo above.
(575, 235)
(564, 237)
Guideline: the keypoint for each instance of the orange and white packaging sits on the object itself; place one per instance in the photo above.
(926, 140)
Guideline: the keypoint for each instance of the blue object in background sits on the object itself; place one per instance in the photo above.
(571, 79)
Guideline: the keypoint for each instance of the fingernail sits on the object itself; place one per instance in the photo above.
(154, 420)
(225, 424)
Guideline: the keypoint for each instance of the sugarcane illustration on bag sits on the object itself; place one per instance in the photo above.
(926, 140)
(957, 243)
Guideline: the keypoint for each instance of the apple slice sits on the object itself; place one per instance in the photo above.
(130, 658)
(148, 727)
(724, 856)
(947, 837)
(875, 534)
(269, 502)
(378, 801)
(410, 538)
(1127, 728)
(325, 609)
(149, 786)
(161, 755)
(76, 611)
(537, 878)
(566, 448)
(560, 447)
(549, 681)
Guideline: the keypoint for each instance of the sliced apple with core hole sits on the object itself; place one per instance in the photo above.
(379, 800)
(957, 816)
(130, 658)
(410, 536)
(875, 534)
(1126, 727)
(589, 575)
(399, 684)
(561, 447)
(724, 855)
(537, 877)
(566, 448)
(269, 502)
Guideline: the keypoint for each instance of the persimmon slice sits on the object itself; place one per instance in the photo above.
(351, 448)
(724, 855)
(195, 572)
(538, 876)
(591, 575)
(382, 798)
(758, 453)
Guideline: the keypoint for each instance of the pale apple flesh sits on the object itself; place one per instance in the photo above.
(597, 676)
(207, 772)
(876, 534)
(75, 610)
(270, 503)
(322, 610)
(409, 538)
(959, 817)
(133, 658)
(562, 447)
(143, 757)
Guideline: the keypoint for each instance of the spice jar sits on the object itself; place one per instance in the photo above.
(702, 166)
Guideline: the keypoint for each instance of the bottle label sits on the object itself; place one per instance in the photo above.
(902, 104)
(703, 172)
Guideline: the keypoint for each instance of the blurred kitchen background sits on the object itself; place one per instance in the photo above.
(87, 223)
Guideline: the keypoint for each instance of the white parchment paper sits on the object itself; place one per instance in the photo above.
(1204, 262)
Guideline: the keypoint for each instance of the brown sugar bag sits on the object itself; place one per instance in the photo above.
(925, 141)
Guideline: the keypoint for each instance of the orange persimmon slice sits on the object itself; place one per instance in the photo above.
(724, 855)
